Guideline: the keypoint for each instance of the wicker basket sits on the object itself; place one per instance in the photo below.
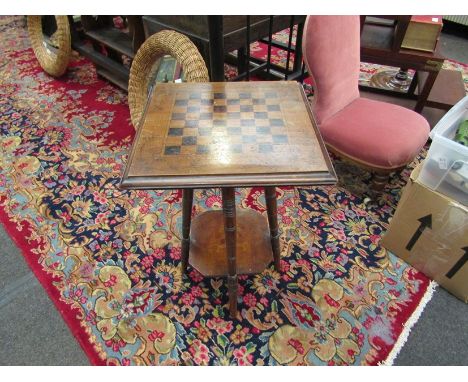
(162, 43)
(54, 60)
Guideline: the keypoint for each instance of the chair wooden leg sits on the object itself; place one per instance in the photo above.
(379, 181)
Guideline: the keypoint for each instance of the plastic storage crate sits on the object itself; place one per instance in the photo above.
(445, 168)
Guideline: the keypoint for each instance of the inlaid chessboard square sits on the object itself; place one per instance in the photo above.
(247, 117)
(227, 129)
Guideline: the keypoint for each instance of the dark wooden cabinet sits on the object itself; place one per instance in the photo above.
(109, 44)
(216, 36)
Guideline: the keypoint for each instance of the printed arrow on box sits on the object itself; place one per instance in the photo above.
(426, 222)
(460, 263)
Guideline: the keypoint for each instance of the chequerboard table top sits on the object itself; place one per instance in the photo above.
(227, 134)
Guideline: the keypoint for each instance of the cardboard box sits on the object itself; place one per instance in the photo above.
(430, 231)
(423, 33)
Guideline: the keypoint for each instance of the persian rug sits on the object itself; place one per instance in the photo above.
(110, 259)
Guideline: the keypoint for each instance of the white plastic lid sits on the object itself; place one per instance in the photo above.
(450, 118)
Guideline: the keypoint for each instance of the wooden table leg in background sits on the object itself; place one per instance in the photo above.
(414, 83)
(187, 200)
(229, 212)
(424, 93)
(270, 197)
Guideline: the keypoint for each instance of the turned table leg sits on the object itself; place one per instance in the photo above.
(426, 90)
(229, 212)
(270, 197)
(187, 200)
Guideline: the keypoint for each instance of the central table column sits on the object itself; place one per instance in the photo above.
(270, 198)
(229, 212)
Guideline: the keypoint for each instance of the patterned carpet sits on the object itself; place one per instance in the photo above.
(109, 259)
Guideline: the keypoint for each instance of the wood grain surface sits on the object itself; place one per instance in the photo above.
(227, 134)
(208, 243)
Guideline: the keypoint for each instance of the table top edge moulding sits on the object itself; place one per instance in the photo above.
(247, 180)
(227, 134)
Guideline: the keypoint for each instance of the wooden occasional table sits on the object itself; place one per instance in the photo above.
(228, 134)
(377, 47)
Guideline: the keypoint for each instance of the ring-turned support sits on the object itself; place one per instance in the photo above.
(379, 181)
(229, 212)
(270, 197)
(187, 201)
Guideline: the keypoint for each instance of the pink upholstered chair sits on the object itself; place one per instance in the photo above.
(380, 136)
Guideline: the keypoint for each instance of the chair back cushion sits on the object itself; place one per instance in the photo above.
(331, 49)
